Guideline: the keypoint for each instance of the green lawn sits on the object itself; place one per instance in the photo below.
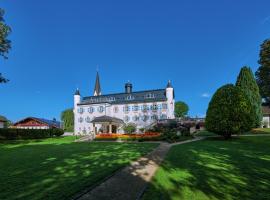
(59, 168)
(215, 169)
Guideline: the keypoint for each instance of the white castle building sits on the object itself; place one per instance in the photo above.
(109, 113)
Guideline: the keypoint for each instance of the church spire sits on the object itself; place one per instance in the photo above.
(97, 89)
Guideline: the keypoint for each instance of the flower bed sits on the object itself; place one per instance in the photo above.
(127, 136)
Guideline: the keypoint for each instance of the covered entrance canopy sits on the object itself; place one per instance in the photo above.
(111, 124)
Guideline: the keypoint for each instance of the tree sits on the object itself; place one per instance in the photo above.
(5, 44)
(67, 116)
(247, 82)
(263, 72)
(229, 112)
(129, 128)
(181, 109)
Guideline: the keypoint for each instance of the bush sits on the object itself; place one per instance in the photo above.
(130, 128)
(18, 134)
(229, 112)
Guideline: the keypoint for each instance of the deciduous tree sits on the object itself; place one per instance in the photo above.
(263, 72)
(5, 44)
(181, 109)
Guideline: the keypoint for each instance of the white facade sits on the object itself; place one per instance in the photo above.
(141, 113)
(266, 121)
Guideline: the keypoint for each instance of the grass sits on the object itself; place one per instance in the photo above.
(59, 168)
(215, 169)
(205, 133)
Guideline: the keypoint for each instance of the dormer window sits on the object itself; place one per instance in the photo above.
(150, 96)
(129, 97)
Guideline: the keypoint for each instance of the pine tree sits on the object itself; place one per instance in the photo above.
(263, 72)
(247, 82)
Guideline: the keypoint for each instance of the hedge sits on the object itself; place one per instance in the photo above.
(22, 134)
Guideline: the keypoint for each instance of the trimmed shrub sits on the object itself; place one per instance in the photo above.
(229, 112)
(21, 134)
(130, 128)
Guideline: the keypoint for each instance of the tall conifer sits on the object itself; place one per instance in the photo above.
(247, 82)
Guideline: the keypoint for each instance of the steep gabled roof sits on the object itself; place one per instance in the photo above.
(50, 123)
(127, 98)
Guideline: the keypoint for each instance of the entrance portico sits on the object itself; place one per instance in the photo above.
(109, 124)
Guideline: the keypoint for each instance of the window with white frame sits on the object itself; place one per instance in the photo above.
(115, 109)
(91, 109)
(164, 106)
(126, 118)
(163, 116)
(80, 119)
(135, 118)
(80, 110)
(126, 108)
(135, 108)
(100, 109)
(87, 119)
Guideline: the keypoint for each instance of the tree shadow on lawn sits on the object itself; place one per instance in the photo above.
(215, 169)
(58, 171)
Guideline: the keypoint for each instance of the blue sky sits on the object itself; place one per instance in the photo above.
(57, 45)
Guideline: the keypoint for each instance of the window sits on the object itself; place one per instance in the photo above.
(87, 119)
(163, 116)
(111, 98)
(154, 117)
(164, 106)
(80, 119)
(100, 109)
(129, 97)
(150, 96)
(145, 118)
(135, 118)
(126, 118)
(115, 109)
(135, 108)
(80, 110)
(90, 109)
(155, 107)
(126, 108)
(144, 107)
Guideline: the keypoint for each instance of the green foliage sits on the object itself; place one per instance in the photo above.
(248, 83)
(129, 128)
(5, 44)
(181, 109)
(263, 72)
(21, 134)
(67, 116)
(229, 112)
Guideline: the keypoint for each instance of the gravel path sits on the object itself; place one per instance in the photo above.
(130, 182)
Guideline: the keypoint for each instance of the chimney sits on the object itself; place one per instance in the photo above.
(128, 88)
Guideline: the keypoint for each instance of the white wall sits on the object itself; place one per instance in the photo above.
(86, 127)
(266, 121)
